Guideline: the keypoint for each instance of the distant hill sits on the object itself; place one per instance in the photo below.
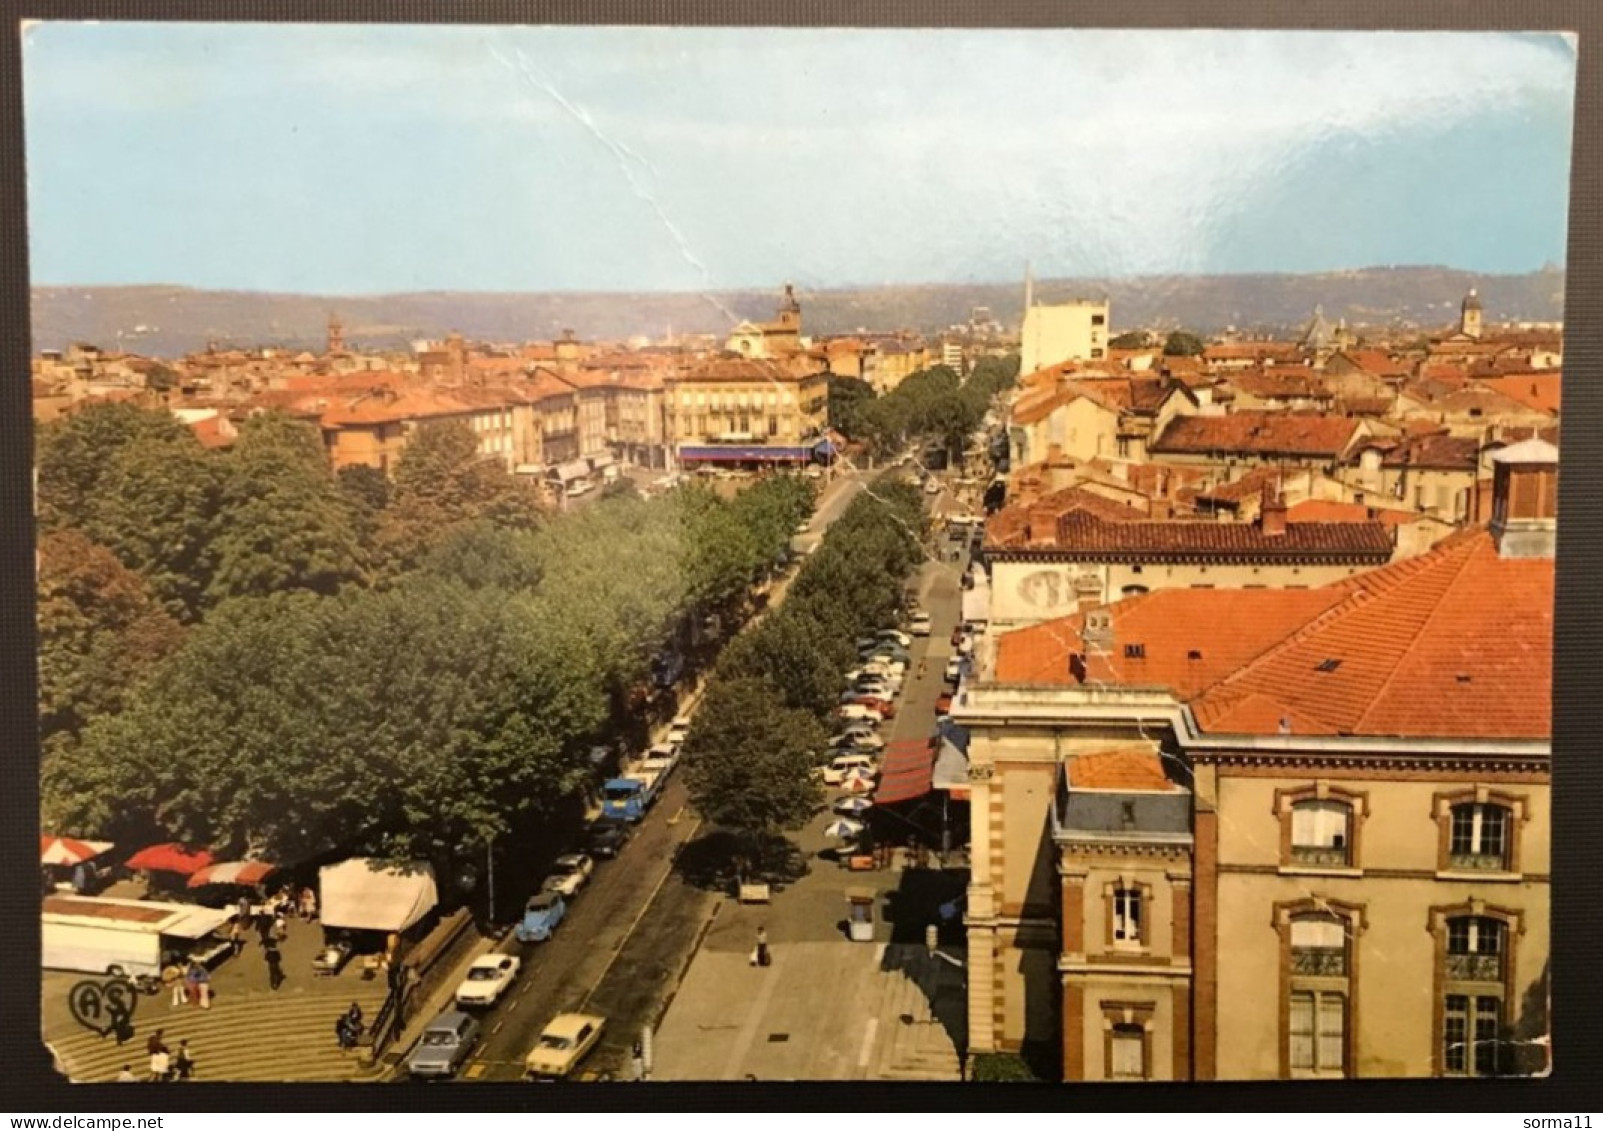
(165, 321)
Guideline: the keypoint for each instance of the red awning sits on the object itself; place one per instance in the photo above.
(169, 858)
(66, 851)
(907, 772)
(245, 872)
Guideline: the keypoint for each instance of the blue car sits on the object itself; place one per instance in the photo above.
(540, 917)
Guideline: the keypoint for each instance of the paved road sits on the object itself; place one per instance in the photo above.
(629, 932)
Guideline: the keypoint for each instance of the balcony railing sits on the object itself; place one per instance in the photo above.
(1319, 961)
(1319, 856)
(1477, 862)
(1475, 967)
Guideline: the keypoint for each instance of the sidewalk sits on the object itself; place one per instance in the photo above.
(827, 1008)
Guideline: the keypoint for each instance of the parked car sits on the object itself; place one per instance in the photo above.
(856, 712)
(678, 729)
(954, 669)
(857, 738)
(540, 917)
(815, 472)
(569, 874)
(606, 837)
(943, 705)
(866, 644)
(958, 634)
(562, 1045)
(885, 708)
(445, 1044)
(919, 625)
(489, 977)
(843, 764)
(896, 637)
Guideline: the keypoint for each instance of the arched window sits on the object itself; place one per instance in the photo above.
(1319, 945)
(1318, 978)
(1475, 947)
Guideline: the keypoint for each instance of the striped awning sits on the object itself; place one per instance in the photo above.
(907, 771)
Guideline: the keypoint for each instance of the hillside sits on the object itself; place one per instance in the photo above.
(165, 320)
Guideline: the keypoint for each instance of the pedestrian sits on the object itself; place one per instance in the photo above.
(183, 1063)
(155, 1044)
(275, 966)
(161, 1066)
(637, 1061)
(353, 1017)
(200, 978)
(762, 947)
(126, 1076)
(173, 978)
(342, 1032)
(308, 904)
(236, 937)
(244, 911)
(280, 926)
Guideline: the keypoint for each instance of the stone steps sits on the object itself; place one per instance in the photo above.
(921, 1050)
(282, 1038)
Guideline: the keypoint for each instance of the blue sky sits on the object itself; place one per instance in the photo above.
(341, 159)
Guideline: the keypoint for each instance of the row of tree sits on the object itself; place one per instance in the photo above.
(414, 678)
(761, 729)
(933, 405)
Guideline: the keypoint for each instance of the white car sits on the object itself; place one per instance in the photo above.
(488, 978)
(954, 669)
(568, 875)
(857, 713)
(678, 729)
(892, 634)
(919, 625)
(857, 738)
(841, 767)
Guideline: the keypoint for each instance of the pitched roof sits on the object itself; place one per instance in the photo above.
(1324, 510)
(1539, 391)
(1455, 643)
(1280, 384)
(1376, 362)
(1124, 771)
(1438, 451)
(1262, 433)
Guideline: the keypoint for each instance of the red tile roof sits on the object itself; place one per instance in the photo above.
(1258, 433)
(1456, 643)
(1123, 771)
(1248, 351)
(1376, 362)
(1324, 510)
(1539, 391)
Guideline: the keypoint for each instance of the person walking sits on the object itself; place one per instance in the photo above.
(173, 978)
(161, 1065)
(236, 937)
(275, 966)
(200, 981)
(308, 904)
(763, 958)
(183, 1063)
(637, 1061)
(353, 1017)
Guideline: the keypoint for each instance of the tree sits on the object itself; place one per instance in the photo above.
(847, 396)
(1131, 340)
(1183, 344)
(749, 760)
(100, 631)
(156, 506)
(285, 523)
(621, 487)
(77, 452)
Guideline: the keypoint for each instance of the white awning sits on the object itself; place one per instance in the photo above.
(574, 469)
(366, 895)
(197, 924)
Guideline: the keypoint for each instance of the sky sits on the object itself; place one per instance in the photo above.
(348, 159)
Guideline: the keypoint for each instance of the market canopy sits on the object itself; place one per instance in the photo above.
(368, 895)
(67, 852)
(244, 872)
(745, 452)
(906, 772)
(951, 764)
(169, 858)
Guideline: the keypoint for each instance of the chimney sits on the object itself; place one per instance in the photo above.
(1272, 513)
(1525, 499)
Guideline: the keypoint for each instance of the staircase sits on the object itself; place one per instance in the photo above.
(915, 1045)
(272, 1038)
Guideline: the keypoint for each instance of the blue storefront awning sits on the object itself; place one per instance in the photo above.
(729, 452)
(825, 448)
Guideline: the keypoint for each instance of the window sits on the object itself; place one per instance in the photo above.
(1321, 833)
(1319, 946)
(773, 425)
(1127, 916)
(1318, 1026)
(1470, 1028)
(1124, 447)
(1478, 838)
(1475, 949)
(1135, 651)
(1099, 319)
(1129, 1046)
(1096, 353)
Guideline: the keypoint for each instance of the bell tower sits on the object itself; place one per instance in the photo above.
(1469, 315)
(336, 335)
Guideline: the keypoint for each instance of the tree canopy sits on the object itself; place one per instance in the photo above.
(1182, 343)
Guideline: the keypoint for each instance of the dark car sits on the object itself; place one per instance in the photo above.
(606, 838)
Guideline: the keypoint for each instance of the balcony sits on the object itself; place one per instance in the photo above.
(1474, 967)
(1319, 961)
(1319, 856)
(1477, 862)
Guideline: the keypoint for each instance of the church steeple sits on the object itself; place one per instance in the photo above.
(1469, 315)
(336, 335)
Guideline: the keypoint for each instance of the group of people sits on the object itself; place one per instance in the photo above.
(190, 985)
(348, 1029)
(165, 1064)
